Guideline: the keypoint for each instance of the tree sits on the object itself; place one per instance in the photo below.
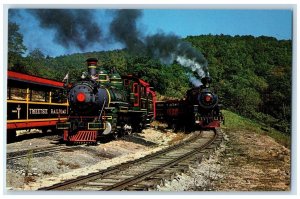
(36, 54)
(16, 48)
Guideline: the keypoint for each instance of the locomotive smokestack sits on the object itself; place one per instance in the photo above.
(92, 65)
(206, 81)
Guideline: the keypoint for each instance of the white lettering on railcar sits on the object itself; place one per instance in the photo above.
(58, 111)
(19, 109)
(38, 111)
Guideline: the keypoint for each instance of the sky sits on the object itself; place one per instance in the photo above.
(274, 23)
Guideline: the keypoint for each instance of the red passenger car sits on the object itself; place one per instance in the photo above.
(33, 103)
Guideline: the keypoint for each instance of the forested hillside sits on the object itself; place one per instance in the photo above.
(251, 75)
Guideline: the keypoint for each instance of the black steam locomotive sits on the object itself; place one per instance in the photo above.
(101, 103)
(200, 109)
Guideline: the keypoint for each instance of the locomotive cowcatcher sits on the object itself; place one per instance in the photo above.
(103, 103)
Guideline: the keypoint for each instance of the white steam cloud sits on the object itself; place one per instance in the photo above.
(196, 82)
(194, 66)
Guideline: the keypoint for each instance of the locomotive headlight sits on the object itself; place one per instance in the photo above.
(80, 97)
(208, 98)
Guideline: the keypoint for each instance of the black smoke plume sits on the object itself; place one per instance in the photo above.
(78, 28)
(72, 27)
(168, 48)
(124, 28)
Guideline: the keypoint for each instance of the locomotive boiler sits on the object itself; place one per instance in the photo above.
(101, 104)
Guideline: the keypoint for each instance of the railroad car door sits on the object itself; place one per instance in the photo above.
(136, 93)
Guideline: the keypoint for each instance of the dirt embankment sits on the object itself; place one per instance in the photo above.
(245, 161)
(254, 162)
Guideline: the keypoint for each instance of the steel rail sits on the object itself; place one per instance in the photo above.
(117, 168)
(142, 176)
(131, 181)
(41, 150)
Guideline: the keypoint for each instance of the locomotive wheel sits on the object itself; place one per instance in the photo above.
(115, 135)
(129, 132)
(126, 130)
(137, 129)
(174, 127)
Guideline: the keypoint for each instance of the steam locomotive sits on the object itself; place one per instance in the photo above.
(106, 104)
(200, 109)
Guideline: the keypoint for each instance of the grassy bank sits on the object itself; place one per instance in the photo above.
(234, 122)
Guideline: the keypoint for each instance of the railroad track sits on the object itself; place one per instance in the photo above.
(35, 152)
(145, 173)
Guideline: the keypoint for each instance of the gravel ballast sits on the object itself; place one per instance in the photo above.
(33, 172)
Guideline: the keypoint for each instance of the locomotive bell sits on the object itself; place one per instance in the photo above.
(92, 65)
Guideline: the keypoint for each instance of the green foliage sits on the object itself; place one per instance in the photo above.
(16, 47)
(36, 55)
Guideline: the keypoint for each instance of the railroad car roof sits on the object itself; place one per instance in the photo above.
(146, 84)
(21, 77)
